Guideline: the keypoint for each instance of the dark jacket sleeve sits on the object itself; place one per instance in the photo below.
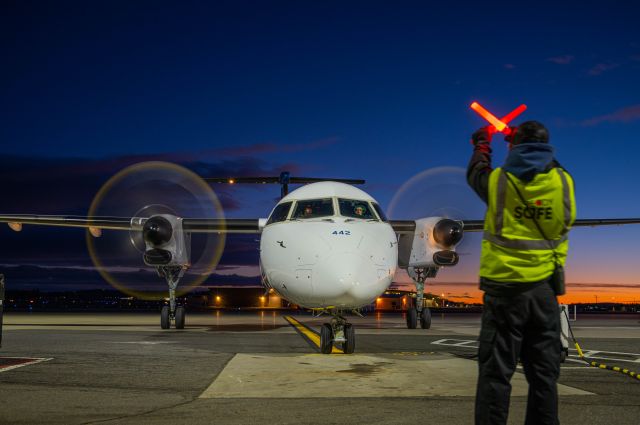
(479, 169)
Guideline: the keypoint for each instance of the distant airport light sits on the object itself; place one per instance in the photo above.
(218, 298)
(231, 181)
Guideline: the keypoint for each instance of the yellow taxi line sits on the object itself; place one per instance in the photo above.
(309, 334)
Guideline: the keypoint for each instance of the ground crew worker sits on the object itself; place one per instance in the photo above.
(530, 209)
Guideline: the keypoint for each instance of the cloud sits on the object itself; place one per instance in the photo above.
(624, 115)
(262, 148)
(601, 68)
(465, 296)
(66, 186)
(231, 155)
(28, 277)
(561, 60)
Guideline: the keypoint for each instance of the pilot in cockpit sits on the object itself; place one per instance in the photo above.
(308, 211)
(359, 210)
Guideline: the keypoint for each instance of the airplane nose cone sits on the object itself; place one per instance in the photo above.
(349, 278)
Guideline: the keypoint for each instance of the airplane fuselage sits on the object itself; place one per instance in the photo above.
(333, 259)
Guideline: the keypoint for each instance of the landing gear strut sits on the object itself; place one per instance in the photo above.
(337, 331)
(172, 312)
(418, 311)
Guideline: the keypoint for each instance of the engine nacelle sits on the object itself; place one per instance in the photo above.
(166, 243)
(432, 244)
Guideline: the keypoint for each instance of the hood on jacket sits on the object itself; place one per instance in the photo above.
(526, 160)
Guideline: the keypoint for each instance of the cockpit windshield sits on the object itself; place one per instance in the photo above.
(280, 213)
(356, 209)
(381, 213)
(313, 208)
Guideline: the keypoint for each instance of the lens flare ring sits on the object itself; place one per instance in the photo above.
(214, 246)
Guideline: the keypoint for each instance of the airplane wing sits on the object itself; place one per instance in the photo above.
(408, 226)
(238, 225)
(191, 225)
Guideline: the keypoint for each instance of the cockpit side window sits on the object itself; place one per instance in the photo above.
(355, 209)
(313, 208)
(280, 213)
(381, 213)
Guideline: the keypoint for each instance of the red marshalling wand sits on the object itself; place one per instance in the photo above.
(498, 124)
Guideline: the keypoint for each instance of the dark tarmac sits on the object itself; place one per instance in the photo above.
(254, 368)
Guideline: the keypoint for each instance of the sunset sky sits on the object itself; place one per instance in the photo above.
(373, 90)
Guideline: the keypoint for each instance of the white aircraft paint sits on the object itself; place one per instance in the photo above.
(330, 261)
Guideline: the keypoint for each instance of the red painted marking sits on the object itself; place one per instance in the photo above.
(8, 363)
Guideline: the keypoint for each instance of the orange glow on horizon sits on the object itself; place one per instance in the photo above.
(470, 293)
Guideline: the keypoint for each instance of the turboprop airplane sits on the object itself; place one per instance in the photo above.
(326, 246)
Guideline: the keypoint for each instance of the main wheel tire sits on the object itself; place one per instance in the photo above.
(425, 318)
(180, 311)
(326, 339)
(349, 345)
(412, 318)
(165, 323)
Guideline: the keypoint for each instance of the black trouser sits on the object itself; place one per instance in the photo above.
(526, 327)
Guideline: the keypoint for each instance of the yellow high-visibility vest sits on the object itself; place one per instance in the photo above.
(513, 249)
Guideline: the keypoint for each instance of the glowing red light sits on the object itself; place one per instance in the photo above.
(498, 125)
(511, 115)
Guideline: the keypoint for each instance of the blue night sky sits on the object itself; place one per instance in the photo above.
(373, 90)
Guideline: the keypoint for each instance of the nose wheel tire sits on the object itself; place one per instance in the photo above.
(165, 320)
(349, 346)
(326, 339)
(412, 318)
(180, 311)
(425, 318)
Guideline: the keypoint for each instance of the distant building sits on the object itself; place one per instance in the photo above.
(244, 297)
(399, 300)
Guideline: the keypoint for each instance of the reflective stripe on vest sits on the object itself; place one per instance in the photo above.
(500, 201)
(566, 199)
(524, 244)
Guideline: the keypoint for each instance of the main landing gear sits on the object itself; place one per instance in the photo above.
(340, 332)
(418, 311)
(172, 312)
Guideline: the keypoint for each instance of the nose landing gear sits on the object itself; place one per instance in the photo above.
(172, 312)
(419, 276)
(340, 332)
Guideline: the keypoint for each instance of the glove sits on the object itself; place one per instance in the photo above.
(482, 135)
(481, 139)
